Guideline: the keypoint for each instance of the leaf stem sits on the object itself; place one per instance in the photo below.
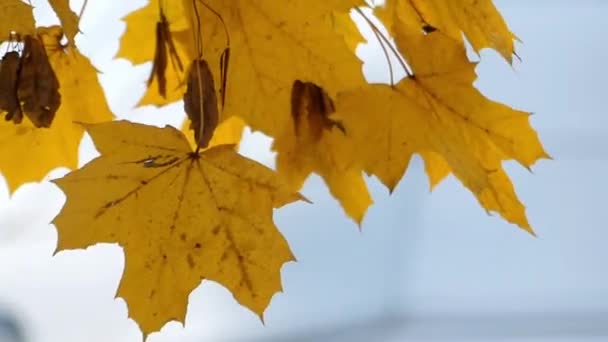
(84, 5)
(219, 16)
(379, 34)
(388, 58)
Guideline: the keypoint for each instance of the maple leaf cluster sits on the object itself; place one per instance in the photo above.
(183, 204)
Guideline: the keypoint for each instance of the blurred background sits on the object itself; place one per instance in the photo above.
(425, 267)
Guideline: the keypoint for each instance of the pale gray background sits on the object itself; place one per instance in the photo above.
(425, 267)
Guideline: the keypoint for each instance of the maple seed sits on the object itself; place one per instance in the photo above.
(38, 87)
(9, 76)
(307, 97)
(164, 41)
(200, 102)
(224, 60)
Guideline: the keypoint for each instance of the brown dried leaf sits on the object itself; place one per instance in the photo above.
(310, 100)
(200, 102)
(9, 76)
(38, 87)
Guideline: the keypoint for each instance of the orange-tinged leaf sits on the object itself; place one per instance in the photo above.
(439, 110)
(69, 19)
(180, 217)
(271, 45)
(138, 45)
(27, 153)
(479, 20)
(16, 16)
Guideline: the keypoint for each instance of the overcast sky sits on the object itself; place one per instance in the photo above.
(419, 254)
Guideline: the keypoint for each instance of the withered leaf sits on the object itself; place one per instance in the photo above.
(200, 102)
(38, 87)
(164, 41)
(9, 75)
(311, 100)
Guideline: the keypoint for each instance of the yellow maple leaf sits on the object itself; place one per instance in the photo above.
(435, 166)
(139, 43)
(17, 16)
(271, 45)
(439, 110)
(28, 153)
(68, 19)
(479, 20)
(316, 143)
(181, 217)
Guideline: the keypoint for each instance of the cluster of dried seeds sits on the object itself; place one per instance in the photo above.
(28, 84)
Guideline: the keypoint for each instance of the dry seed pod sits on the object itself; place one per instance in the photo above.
(311, 102)
(200, 102)
(224, 62)
(164, 41)
(9, 76)
(38, 87)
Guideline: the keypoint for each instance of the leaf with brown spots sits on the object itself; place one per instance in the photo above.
(181, 217)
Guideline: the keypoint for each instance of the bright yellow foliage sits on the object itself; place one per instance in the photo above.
(69, 19)
(185, 213)
(435, 166)
(27, 153)
(229, 132)
(17, 16)
(181, 218)
(439, 110)
(271, 45)
(330, 156)
(138, 45)
(479, 20)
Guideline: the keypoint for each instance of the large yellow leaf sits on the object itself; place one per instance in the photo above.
(273, 43)
(27, 153)
(435, 166)
(69, 19)
(439, 110)
(138, 45)
(16, 16)
(315, 143)
(181, 218)
(479, 20)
